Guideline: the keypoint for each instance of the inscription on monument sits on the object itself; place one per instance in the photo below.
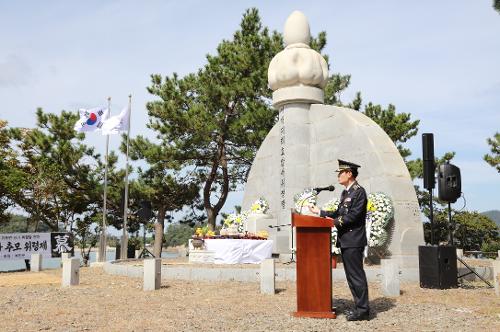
(411, 207)
(282, 157)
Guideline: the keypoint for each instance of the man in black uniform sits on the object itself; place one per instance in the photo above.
(349, 219)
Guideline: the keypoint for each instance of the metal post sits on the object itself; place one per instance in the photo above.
(103, 242)
(124, 248)
(452, 227)
(431, 217)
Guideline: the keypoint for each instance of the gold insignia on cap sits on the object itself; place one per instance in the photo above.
(345, 165)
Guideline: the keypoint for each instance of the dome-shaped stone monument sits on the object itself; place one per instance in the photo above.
(302, 149)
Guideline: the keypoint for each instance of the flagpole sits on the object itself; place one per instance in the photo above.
(124, 249)
(103, 242)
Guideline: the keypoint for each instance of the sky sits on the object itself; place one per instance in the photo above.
(438, 60)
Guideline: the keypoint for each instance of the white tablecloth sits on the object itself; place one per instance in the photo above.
(235, 251)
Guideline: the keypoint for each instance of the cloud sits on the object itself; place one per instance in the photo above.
(14, 71)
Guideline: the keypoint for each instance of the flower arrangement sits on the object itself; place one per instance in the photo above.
(203, 232)
(259, 206)
(379, 212)
(263, 234)
(305, 198)
(236, 220)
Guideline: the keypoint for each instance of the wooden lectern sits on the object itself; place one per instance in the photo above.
(314, 269)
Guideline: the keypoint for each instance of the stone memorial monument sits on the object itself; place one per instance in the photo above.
(302, 149)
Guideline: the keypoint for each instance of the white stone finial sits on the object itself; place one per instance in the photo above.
(298, 73)
(297, 29)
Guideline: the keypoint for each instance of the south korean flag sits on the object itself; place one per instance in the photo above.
(91, 119)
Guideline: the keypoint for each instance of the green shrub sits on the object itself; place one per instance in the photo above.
(492, 246)
(178, 234)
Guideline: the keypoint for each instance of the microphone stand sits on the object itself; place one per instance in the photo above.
(314, 193)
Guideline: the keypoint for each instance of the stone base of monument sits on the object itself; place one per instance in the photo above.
(259, 222)
(281, 244)
(286, 258)
(201, 256)
(281, 236)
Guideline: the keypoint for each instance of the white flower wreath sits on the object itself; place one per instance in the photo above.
(379, 212)
(305, 198)
(331, 206)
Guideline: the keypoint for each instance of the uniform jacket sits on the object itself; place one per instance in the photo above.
(349, 218)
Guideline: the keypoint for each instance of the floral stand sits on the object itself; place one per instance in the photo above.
(334, 261)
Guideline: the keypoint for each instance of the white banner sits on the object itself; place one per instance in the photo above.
(22, 245)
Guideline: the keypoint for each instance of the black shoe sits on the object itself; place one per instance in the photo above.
(356, 317)
(348, 313)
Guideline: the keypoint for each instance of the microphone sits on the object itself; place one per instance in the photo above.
(319, 189)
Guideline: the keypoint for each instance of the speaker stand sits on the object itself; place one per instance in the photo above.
(452, 225)
(471, 270)
(431, 216)
(145, 253)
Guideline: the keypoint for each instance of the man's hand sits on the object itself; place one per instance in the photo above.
(314, 209)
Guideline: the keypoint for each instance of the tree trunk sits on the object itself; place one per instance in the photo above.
(220, 161)
(211, 215)
(158, 240)
(207, 189)
(159, 227)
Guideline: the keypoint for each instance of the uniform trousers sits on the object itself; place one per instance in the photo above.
(356, 277)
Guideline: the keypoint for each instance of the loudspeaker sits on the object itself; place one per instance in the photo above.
(428, 160)
(449, 183)
(438, 266)
(145, 212)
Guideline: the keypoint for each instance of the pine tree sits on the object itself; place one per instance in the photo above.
(50, 179)
(164, 183)
(7, 156)
(212, 122)
(496, 5)
(494, 158)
